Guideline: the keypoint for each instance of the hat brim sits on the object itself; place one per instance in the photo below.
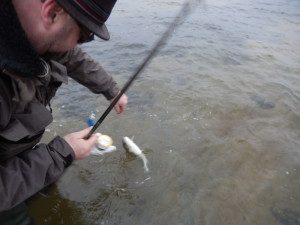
(99, 30)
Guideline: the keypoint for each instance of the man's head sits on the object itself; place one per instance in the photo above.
(91, 14)
(58, 25)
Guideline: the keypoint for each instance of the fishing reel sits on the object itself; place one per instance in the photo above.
(104, 141)
(103, 145)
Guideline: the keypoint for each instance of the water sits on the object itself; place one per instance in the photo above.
(216, 111)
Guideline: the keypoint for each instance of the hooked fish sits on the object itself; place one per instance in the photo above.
(131, 147)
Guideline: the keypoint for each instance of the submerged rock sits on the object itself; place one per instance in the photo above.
(286, 216)
(262, 102)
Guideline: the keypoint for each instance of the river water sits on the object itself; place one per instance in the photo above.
(217, 113)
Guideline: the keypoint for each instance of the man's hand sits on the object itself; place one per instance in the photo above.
(81, 147)
(121, 104)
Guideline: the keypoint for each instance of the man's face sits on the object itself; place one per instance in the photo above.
(66, 35)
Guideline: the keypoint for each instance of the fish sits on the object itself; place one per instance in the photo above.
(132, 148)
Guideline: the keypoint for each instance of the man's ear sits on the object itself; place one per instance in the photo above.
(50, 12)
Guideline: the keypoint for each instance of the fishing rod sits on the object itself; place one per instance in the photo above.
(183, 13)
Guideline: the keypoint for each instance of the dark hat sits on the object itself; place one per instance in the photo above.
(91, 14)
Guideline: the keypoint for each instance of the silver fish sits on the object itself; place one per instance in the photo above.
(131, 147)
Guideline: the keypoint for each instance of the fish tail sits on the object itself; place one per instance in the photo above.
(145, 161)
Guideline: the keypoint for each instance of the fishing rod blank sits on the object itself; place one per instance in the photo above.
(185, 10)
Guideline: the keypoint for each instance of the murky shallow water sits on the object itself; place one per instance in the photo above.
(217, 113)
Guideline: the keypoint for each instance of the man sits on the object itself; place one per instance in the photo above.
(38, 50)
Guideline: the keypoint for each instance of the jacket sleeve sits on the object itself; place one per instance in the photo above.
(86, 71)
(25, 174)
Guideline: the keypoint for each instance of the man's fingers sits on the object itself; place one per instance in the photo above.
(121, 104)
(91, 142)
(118, 109)
(81, 146)
(84, 132)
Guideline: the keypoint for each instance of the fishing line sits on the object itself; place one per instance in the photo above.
(183, 13)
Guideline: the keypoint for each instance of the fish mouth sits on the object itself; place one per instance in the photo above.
(124, 140)
(125, 143)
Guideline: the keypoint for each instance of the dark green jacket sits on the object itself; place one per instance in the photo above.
(27, 166)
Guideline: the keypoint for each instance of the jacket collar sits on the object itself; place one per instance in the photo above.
(17, 56)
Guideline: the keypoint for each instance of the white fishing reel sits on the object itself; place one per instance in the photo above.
(104, 145)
